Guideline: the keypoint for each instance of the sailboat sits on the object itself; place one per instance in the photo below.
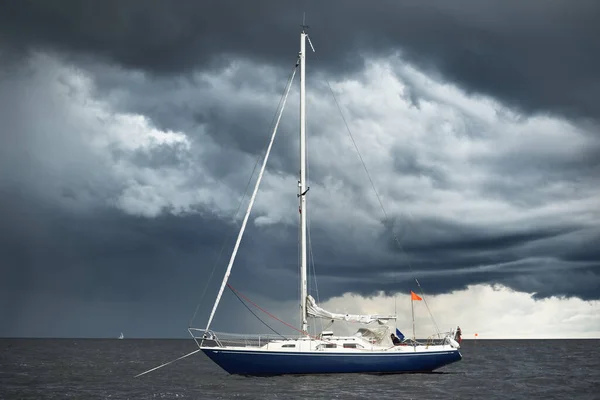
(369, 350)
(121, 336)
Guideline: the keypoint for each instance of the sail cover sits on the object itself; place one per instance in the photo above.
(376, 334)
(314, 310)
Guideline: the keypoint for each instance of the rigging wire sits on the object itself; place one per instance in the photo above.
(258, 158)
(312, 263)
(277, 319)
(386, 217)
(311, 258)
(223, 246)
(251, 202)
(253, 313)
(265, 311)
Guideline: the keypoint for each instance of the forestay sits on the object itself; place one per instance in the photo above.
(314, 310)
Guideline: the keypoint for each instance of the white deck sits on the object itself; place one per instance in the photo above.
(330, 344)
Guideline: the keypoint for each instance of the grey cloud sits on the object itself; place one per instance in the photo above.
(238, 116)
(449, 256)
(584, 283)
(106, 257)
(407, 162)
(65, 253)
(432, 246)
(160, 156)
(538, 57)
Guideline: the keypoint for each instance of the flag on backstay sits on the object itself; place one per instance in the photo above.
(414, 296)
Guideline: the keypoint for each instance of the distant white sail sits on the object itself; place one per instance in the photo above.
(315, 311)
(121, 336)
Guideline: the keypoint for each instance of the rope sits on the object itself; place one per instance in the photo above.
(386, 217)
(265, 311)
(253, 313)
(165, 364)
(274, 317)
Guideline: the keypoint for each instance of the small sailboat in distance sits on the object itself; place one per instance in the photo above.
(121, 336)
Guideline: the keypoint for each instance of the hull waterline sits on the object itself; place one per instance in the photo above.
(243, 362)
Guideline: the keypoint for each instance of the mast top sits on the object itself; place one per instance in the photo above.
(304, 26)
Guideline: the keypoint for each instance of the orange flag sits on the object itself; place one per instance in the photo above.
(414, 296)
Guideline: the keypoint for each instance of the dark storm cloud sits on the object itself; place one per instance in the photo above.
(59, 259)
(172, 156)
(408, 163)
(147, 58)
(447, 256)
(539, 56)
(237, 111)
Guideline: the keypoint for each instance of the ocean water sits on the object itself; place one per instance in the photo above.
(105, 369)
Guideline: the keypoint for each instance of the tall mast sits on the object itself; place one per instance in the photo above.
(302, 182)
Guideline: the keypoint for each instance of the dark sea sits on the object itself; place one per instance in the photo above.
(105, 369)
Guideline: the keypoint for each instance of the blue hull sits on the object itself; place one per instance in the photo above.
(242, 362)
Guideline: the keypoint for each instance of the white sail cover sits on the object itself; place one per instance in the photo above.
(376, 334)
(314, 310)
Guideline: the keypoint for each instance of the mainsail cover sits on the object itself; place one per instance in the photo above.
(314, 310)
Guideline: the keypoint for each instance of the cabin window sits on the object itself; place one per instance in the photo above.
(289, 345)
(350, 346)
(330, 346)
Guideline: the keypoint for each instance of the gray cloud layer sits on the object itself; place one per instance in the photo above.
(129, 133)
(539, 56)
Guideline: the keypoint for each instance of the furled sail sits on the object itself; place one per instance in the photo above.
(314, 310)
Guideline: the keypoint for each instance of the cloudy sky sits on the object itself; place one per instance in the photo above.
(130, 131)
